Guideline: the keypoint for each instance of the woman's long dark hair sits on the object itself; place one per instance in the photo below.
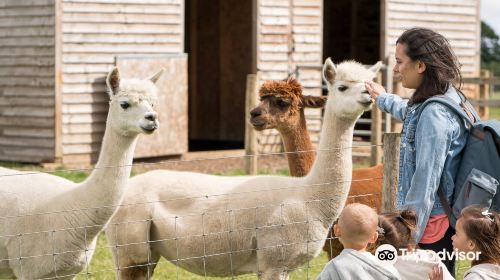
(442, 66)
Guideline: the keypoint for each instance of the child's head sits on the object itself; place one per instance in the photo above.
(478, 230)
(397, 229)
(357, 226)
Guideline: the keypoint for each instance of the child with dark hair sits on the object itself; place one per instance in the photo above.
(477, 234)
(397, 229)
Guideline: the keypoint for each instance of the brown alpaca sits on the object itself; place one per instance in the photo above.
(282, 108)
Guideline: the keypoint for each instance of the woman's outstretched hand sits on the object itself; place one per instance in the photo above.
(374, 89)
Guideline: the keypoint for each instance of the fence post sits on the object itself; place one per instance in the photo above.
(251, 147)
(484, 92)
(391, 171)
(376, 132)
(389, 84)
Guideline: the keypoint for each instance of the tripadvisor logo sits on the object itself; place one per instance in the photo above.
(387, 254)
(445, 255)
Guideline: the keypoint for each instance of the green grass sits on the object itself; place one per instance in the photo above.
(495, 112)
(101, 267)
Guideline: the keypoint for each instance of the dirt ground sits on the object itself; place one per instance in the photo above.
(212, 162)
(217, 162)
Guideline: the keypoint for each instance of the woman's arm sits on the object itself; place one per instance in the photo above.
(389, 103)
(433, 138)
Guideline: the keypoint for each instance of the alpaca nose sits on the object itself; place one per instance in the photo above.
(151, 116)
(255, 113)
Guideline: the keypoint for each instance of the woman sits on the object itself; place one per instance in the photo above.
(430, 145)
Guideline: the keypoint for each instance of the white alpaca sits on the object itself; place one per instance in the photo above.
(49, 225)
(226, 226)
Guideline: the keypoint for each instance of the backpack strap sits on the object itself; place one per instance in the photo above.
(464, 110)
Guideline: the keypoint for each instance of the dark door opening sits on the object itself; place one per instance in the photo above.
(351, 30)
(219, 46)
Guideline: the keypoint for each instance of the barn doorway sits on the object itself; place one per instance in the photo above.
(218, 40)
(351, 30)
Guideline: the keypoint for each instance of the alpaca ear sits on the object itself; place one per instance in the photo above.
(376, 67)
(329, 71)
(156, 76)
(113, 81)
(310, 101)
(290, 78)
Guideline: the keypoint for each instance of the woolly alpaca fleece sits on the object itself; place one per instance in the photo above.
(49, 225)
(228, 226)
(366, 185)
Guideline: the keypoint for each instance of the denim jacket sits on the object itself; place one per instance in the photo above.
(430, 152)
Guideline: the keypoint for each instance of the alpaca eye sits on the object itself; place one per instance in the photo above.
(124, 105)
(342, 88)
(282, 104)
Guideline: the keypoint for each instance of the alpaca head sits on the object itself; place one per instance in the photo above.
(282, 105)
(131, 106)
(347, 95)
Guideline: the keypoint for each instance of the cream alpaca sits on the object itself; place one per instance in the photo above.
(223, 226)
(49, 225)
(282, 107)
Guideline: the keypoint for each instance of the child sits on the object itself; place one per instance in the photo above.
(477, 234)
(397, 230)
(356, 228)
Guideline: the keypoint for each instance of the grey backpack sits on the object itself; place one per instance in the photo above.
(479, 170)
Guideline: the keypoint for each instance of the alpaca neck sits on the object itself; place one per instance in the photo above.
(299, 148)
(330, 177)
(106, 184)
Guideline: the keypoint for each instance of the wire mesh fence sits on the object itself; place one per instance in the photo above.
(211, 241)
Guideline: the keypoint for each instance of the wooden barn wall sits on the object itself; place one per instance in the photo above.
(93, 33)
(27, 89)
(289, 34)
(456, 20)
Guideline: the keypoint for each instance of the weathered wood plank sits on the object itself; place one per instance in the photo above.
(84, 108)
(27, 81)
(137, 2)
(24, 154)
(26, 51)
(25, 3)
(121, 29)
(84, 119)
(27, 11)
(84, 128)
(27, 111)
(46, 122)
(28, 142)
(23, 90)
(436, 9)
(118, 8)
(15, 101)
(468, 3)
(123, 49)
(104, 18)
(22, 21)
(83, 88)
(29, 132)
(26, 61)
(27, 71)
(26, 31)
(465, 27)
